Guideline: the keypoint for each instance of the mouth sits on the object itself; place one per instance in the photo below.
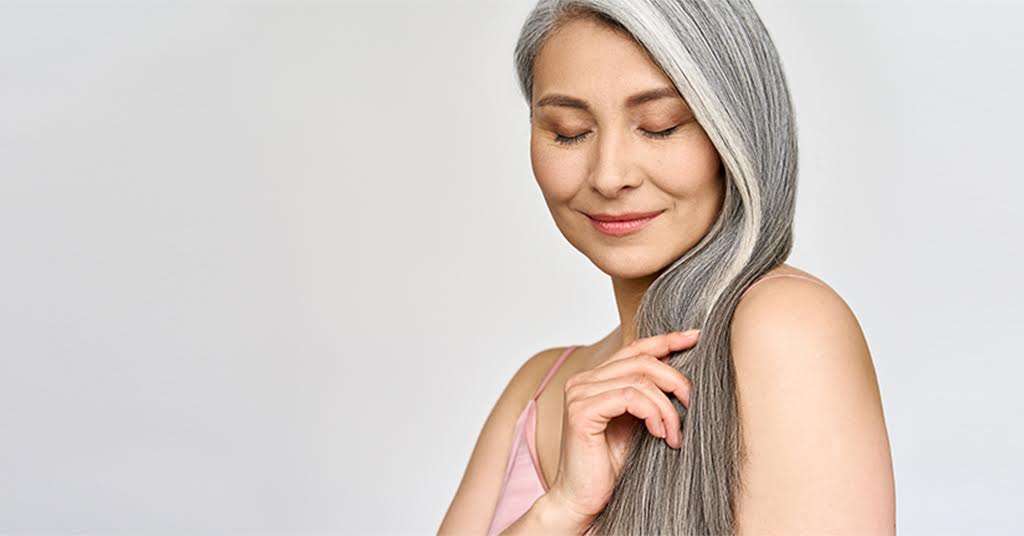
(622, 224)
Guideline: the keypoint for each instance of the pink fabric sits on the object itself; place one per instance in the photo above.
(524, 483)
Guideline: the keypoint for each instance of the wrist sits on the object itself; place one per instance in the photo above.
(556, 517)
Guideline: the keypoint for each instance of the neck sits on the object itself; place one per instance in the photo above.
(628, 293)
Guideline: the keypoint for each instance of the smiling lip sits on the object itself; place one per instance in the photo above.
(622, 224)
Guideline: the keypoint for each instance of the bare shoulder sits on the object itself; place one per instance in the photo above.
(532, 371)
(816, 450)
(798, 310)
(472, 507)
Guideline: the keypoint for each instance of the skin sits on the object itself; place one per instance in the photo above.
(818, 453)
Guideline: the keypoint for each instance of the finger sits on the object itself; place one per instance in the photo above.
(669, 416)
(593, 414)
(665, 376)
(658, 345)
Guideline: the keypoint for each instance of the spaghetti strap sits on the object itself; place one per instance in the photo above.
(773, 276)
(552, 370)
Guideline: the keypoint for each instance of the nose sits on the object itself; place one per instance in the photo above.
(613, 170)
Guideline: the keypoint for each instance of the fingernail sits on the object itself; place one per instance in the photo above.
(690, 332)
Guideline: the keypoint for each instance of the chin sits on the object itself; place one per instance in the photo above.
(627, 266)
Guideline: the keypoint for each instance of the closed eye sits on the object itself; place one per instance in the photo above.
(662, 133)
(572, 140)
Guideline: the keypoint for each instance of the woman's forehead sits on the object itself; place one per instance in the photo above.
(589, 58)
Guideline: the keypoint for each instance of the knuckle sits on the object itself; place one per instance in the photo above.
(574, 380)
(637, 379)
(573, 409)
(642, 381)
(672, 413)
(570, 395)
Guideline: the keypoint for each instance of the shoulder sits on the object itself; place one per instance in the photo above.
(529, 375)
(813, 432)
(793, 307)
(472, 507)
(520, 387)
(523, 383)
(791, 337)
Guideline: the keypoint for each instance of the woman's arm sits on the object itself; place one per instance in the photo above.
(818, 457)
(549, 517)
(473, 505)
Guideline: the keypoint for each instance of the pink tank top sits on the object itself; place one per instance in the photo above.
(524, 483)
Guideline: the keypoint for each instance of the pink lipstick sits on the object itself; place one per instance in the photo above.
(622, 224)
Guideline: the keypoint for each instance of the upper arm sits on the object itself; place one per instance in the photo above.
(817, 451)
(473, 505)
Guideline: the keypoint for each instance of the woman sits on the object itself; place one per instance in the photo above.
(663, 140)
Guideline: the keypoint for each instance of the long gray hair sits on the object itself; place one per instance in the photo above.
(724, 64)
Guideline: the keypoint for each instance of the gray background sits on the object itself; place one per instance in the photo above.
(265, 267)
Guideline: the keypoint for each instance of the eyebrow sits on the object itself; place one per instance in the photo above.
(631, 102)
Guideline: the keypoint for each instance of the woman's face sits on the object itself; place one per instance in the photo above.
(596, 152)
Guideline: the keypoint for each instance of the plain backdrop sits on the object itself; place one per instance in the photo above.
(267, 266)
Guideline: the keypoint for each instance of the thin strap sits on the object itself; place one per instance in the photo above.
(552, 370)
(798, 276)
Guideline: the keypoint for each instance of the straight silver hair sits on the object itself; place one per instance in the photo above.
(724, 64)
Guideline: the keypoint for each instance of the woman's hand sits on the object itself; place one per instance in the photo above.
(602, 406)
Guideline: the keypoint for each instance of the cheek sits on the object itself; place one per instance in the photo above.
(559, 173)
(690, 169)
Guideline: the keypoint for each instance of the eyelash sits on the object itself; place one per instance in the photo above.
(660, 135)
